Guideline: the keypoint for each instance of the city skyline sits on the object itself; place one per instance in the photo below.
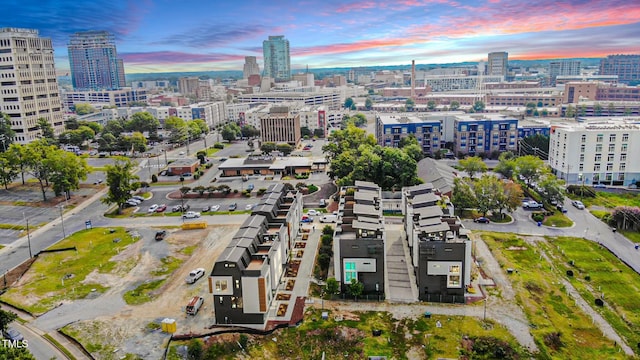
(166, 36)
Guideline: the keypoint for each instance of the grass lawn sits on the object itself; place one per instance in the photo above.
(546, 304)
(497, 218)
(600, 214)
(353, 339)
(596, 272)
(610, 200)
(47, 285)
(633, 236)
(13, 227)
(143, 293)
(211, 151)
(557, 220)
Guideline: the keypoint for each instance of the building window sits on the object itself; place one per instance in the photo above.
(625, 137)
(612, 137)
(609, 167)
(608, 176)
(581, 167)
(599, 148)
(237, 284)
(623, 166)
(350, 272)
(612, 147)
(620, 177)
(453, 281)
(598, 157)
(221, 285)
(581, 157)
(599, 138)
(623, 157)
(582, 148)
(623, 147)
(584, 138)
(610, 157)
(454, 269)
(596, 167)
(596, 178)
(236, 302)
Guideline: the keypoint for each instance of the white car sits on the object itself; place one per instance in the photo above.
(194, 275)
(191, 215)
(214, 208)
(313, 212)
(153, 208)
(134, 201)
(578, 204)
(249, 207)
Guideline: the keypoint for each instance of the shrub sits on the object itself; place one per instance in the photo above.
(218, 146)
(327, 230)
(196, 176)
(208, 165)
(154, 178)
(261, 191)
(537, 217)
(312, 188)
(235, 191)
(326, 240)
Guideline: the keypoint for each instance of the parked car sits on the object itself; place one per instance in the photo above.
(578, 204)
(180, 208)
(482, 220)
(160, 235)
(187, 174)
(249, 207)
(250, 187)
(600, 186)
(181, 153)
(313, 212)
(12, 334)
(206, 208)
(139, 198)
(191, 215)
(194, 305)
(194, 275)
(323, 202)
(153, 208)
(214, 208)
(161, 208)
(233, 207)
(531, 205)
(97, 182)
(306, 219)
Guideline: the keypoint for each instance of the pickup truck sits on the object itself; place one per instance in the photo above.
(531, 205)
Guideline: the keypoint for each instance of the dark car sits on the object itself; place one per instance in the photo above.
(482, 220)
(12, 334)
(160, 235)
(233, 206)
(161, 208)
(206, 208)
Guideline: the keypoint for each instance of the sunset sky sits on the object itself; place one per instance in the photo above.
(210, 35)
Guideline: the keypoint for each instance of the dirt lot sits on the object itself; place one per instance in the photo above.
(128, 329)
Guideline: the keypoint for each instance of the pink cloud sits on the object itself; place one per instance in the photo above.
(173, 57)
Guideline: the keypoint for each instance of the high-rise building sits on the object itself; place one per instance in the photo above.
(29, 87)
(563, 68)
(250, 67)
(280, 126)
(498, 63)
(277, 62)
(188, 85)
(627, 67)
(94, 61)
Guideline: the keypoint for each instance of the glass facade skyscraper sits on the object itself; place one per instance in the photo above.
(94, 61)
(277, 62)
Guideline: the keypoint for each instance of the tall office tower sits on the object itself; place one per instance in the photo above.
(94, 61)
(250, 67)
(277, 62)
(498, 63)
(188, 85)
(627, 67)
(29, 87)
(563, 68)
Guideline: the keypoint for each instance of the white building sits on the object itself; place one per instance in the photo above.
(28, 86)
(213, 113)
(118, 98)
(597, 152)
(312, 117)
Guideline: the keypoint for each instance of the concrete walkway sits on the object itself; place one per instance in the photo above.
(400, 285)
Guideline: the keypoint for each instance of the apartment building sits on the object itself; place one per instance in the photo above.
(600, 151)
(119, 98)
(245, 277)
(485, 133)
(627, 67)
(280, 126)
(28, 84)
(576, 92)
(439, 245)
(94, 62)
(213, 113)
(564, 68)
(188, 85)
(359, 238)
(391, 128)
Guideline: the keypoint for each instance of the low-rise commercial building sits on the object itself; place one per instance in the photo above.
(280, 126)
(272, 165)
(245, 277)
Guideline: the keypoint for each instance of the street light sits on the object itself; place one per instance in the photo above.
(28, 234)
(61, 206)
(182, 197)
(581, 177)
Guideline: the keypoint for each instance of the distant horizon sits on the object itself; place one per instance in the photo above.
(154, 36)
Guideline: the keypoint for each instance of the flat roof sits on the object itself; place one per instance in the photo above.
(357, 224)
(428, 211)
(365, 209)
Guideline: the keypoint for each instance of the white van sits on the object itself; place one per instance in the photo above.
(329, 218)
(194, 305)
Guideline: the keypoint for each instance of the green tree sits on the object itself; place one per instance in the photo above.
(478, 106)
(489, 193)
(513, 196)
(17, 154)
(121, 182)
(136, 141)
(194, 130)
(9, 168)
(228, 134)
(249, 131)
(84, 109)
(46, 131)
(583, 110)
(597, 109)
(409, 104)
(141, 122)
(349, 104)
(570, 111)
(35, 160)
(107, 142)
(368, 103)
(431, 105)
(15, 353)
(195, 350)
(268, 147)
(66, 171)
(472, 165)
(530, 168)
(284, 148)
(551, 190)
(355, 289)
(71, 123)
(202, 125)
(6, 133)
(540, 142)
(318, 132)
(332, 287)
(408, 140)
(304, 131)
(463, 197)
(506, 165)
(455, 105)
(178, 130)
(114, 127)
(6, 317)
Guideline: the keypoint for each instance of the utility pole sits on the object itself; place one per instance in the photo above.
(182, 198)
(61, 206)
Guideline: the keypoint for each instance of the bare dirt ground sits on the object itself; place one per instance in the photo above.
(127, 329)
